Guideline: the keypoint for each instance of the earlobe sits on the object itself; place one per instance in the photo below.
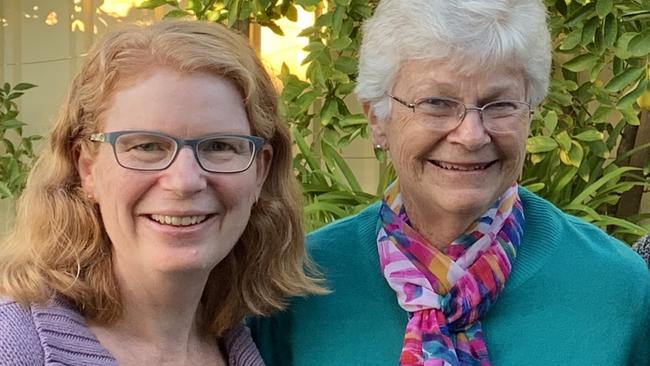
(376, 126)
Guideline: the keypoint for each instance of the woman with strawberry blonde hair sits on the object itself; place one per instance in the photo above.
(162, 212)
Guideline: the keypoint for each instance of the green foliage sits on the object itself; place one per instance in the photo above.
(574, 135)
(16, 150)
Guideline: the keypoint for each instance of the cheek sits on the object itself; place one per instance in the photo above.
(236, 191)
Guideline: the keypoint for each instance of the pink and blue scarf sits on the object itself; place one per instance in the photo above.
(447, 292)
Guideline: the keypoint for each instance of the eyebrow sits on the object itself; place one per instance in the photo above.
(449, 90)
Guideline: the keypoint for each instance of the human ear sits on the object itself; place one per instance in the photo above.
(263, 165)
(377, 126)
(85, 162)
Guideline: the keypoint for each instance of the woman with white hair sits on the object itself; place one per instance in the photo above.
(458, 265)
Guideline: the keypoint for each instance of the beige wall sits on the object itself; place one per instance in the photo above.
(49, 54)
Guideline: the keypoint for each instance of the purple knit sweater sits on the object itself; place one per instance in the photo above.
(56, 334)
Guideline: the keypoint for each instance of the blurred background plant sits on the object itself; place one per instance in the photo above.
(589, 143)
(16, 151)
(589, 147)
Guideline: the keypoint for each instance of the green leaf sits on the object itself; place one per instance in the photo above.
(582, 208)
(5, 192)
(151, 4)
(550, 121)
(639, 46)
(630, 115)
(622, 45)
(353, 120)
(292, 13)
(633, 228)
(539, 144)
(343, 167)
(233, 12)
(573, 156)
(307, 4)
(12, 123)
(561, 98)
(304, 149)
(329, 110)
(316, 207)
(604, 7)
(346, 64)
(535, 187)
(176, 13)
(581, 63)
(24, 86)
(571, 41)
(595, 186)
(610, 30)
(628, 99)
(589, 31)
(340, 43)
(293, 87)
(620, 81)
(564, 140)
(562, 181)
(590, 135)
(273, 27)
(306, 100)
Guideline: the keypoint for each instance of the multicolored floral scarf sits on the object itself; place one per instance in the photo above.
(447, 292)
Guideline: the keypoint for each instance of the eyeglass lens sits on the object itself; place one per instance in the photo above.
(497, 116)
(151, 152)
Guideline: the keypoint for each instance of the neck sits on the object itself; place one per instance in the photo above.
(438, 226)
(441, 231)
(159, 319)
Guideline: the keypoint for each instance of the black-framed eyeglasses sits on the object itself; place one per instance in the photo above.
(152, 151)
(445, 114)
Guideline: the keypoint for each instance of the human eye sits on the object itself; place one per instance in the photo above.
(224, 146)
(504, 107)
(218, 146)
(438, 107)
(140, 149)
(142, 142)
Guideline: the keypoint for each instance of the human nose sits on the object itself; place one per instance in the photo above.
(470, 131)
(184, 176)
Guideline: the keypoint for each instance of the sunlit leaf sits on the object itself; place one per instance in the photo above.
(539, 144)
(590, 135)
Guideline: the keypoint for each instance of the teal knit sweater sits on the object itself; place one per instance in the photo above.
(575, 297)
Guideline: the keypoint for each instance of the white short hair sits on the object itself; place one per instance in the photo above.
(477, 35)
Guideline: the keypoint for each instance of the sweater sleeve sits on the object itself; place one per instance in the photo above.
(19, 342)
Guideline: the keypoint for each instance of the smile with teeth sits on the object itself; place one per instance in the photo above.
(464, 167)
(179, 220)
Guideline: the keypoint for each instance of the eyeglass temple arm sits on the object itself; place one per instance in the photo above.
(403, 102)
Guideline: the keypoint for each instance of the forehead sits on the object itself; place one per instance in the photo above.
(179, 104)
(435, 77)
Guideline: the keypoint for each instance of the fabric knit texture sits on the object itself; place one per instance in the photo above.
(642, 246)
(575, 297)
(56, 334)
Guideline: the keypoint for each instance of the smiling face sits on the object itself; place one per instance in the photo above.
(181, 218)
(453, 175)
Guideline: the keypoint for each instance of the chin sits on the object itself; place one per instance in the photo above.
(188, 263)
(472, 202)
